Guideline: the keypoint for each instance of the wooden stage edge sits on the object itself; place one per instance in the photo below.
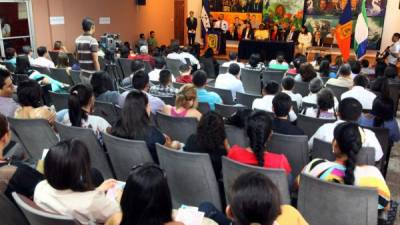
(233, 46)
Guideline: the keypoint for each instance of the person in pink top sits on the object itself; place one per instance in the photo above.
(185, 103)
(258, 130)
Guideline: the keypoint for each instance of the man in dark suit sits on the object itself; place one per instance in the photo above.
(292, 34)
(191, 23)
(256, 6)
(317, 39)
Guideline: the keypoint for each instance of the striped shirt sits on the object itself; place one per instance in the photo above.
(365, 176)
(85, 46)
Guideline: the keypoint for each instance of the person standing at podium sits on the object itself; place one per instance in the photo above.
(222, 26)
(191, 23)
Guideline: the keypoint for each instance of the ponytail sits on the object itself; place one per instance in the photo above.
(258, 129)
(79, 97)
(349, 140)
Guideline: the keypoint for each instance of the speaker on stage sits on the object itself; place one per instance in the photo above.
(141, 2)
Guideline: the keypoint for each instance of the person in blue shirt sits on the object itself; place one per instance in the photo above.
(381, 115)
(11, 56)
(200, 81)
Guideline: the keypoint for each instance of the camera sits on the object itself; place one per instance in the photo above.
(110, 44)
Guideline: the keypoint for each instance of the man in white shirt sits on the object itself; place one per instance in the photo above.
(231, 80)
(287, 87)
(394, 50)
(224, 26)
(154, 75)
(344, 79)
(5, 28)
(186, 55)
(233, 58)
(175, 54)
(349, 111)
(270, 89)
(42, 59)
(359, 92)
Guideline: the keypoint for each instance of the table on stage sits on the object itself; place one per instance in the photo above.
(267, 49)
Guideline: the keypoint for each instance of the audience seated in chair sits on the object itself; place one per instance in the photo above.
(254, 199)
(72, 188)
(325, 106)
(210, 138)
(185, 104)
(175, 50)
(255, 63)
(287, 88)
(165, 87)
(258, 130)
(200, 82)
(278, 63)
(381, 116)
(271, 88)
(63, 62)
(185, 53)
(59, 47)
(80, 107)
(101, 83)
(11, 56)
(281, 105)
(160, 64)
(185, 74)
(344, 79)
(29, 95)
(8, 104)
(136, 65)
(24, 67)
(146, 198)
(348, 138)
(349, 111)
(135, 124)
(141, 82)
(325, 69)
(231, 80)
(42, 59)
(233, 58)
(306, 73)
(359, 91)
(15, 176)
(144, 56)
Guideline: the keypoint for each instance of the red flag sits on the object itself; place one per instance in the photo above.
(344, 30)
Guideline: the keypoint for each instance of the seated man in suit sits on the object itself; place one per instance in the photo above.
(317, 39)
(292, 34)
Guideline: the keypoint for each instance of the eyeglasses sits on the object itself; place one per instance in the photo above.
(147, 166)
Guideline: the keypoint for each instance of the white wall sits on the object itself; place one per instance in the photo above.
(392, 22)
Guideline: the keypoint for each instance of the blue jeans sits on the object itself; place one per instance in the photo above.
(213, 213)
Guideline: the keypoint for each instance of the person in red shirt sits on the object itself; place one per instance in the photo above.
(186, 76)
(258, 130)
(144, 56)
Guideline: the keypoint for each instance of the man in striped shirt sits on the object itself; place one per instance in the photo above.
(86, 50)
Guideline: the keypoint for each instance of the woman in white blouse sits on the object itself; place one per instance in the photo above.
(80, 106)
(305, 39)
(69, 186)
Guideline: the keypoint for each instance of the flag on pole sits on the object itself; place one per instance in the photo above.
(361, 32)
(344, 31)
(205, 19)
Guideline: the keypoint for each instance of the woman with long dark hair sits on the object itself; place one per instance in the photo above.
(347, 143)
(135, 124)
(23, 66)
(210, 138)
(381, 115)
(146, 198)
(258, 130)
(70, 187)
(80, 107)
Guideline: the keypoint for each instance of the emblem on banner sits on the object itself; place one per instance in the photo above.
(213, 41)
(345, 30)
